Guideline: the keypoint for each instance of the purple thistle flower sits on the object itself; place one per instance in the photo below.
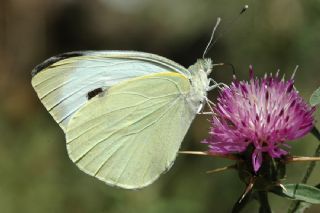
(262, 113)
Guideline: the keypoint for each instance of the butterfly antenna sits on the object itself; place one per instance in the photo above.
(233, 69)
(244, 9)
(211, 41)
(211, 37)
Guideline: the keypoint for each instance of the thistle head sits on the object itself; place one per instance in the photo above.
(259, 116)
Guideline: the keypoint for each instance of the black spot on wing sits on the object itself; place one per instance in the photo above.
(94, 93)
(56, 58)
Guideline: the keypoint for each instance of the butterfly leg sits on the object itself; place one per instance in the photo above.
(201, 108)
(215, 85)
(206, 113)
(208, 102)
(210, 105)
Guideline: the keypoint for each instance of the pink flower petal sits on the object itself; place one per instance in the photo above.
(266, 113)
(256, 159)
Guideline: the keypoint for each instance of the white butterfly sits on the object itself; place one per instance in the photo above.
(124, 113)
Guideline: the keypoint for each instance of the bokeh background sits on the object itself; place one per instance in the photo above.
(36, 174)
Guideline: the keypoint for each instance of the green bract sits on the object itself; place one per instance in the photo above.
(302, 192)
(315, 97)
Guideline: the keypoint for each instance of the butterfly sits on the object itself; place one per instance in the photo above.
(124, 113)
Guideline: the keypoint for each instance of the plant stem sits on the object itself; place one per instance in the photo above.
(295, 204)
(233, 166)
(244, 199)
(264, 202)
(295, 159)
(230, 156)
(316, 133)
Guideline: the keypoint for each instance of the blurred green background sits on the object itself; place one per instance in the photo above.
(36, 174)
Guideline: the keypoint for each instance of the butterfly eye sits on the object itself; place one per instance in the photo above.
(94, 93)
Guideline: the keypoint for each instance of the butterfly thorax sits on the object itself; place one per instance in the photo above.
(200, 82)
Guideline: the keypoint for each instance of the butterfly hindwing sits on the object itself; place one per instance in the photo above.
(131, 134)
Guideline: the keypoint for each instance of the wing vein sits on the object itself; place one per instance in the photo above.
(127, 107)
(102, 140)
(125, 135)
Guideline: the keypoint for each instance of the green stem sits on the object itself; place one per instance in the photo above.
(295, 204)
(244, 199)
(264, 202)
(316, 133)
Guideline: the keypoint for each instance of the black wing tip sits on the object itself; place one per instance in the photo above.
(56, 58)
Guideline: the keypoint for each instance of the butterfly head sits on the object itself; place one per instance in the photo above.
(200, 72)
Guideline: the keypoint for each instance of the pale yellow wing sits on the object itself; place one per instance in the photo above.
(63, 82)
(131, 134)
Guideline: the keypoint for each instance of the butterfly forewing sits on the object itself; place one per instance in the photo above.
(64, 83)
